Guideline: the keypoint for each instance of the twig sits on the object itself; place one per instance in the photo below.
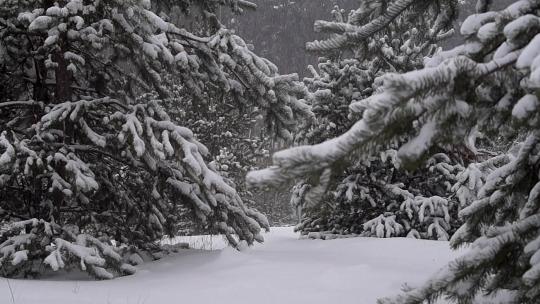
(21, 103)
(53, 83)
(10, 289)
(86, 148)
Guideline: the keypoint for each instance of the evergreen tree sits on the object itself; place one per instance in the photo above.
(372, 196)
(88, 154)
(234, 135)
(489, 83)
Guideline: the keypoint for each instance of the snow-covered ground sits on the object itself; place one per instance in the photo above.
(282, 270)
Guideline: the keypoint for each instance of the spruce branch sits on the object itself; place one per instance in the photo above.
(356, 33)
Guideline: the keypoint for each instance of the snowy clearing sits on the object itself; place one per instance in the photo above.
(282, 270)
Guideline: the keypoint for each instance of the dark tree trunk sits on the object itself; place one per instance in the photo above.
(63, 92)
(62, 74)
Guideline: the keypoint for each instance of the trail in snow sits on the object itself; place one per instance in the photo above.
(282, 270)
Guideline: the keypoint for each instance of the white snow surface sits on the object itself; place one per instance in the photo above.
(285, 269)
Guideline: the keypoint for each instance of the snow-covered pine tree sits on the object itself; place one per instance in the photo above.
(377, 199)
(489, 83)
(232, 131)
(89, 156)
(371, 196)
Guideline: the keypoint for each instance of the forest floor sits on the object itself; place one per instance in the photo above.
(282, 270)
